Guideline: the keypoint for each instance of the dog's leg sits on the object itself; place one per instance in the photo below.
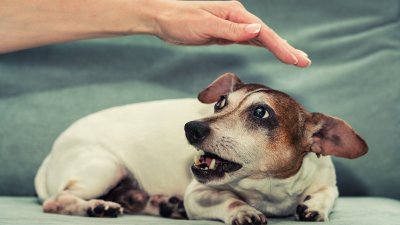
(202, 202)
(69, 204)
(166, 206)
(76, 184)
(135, 200)
(129, 195)
(318, 205)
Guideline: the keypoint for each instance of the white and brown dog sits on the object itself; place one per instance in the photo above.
(254, 158)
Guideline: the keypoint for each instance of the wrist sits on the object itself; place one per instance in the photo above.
(153, 14)
(133, 17)
(122, 17)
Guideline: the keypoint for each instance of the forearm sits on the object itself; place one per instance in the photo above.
(27, 24)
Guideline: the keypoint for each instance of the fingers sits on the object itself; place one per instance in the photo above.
(302, 57)
(235, 32)
(269, 39)
(281, 48)
(260, 35)
(226, 22)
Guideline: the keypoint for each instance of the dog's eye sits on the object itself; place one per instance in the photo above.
(221, 103)
(260, 112)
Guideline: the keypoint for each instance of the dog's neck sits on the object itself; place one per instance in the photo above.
(293, 169)
(268, 186)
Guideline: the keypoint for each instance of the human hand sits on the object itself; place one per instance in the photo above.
(221, 22)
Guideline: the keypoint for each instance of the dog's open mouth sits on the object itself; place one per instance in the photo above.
(208, 165)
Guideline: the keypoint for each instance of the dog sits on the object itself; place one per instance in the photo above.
(259, 154)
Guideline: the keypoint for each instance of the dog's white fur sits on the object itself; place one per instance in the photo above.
(271, 196)
(148, 141)
(137, 155)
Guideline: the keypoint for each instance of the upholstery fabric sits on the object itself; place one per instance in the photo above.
(348, 210)
(355, 48)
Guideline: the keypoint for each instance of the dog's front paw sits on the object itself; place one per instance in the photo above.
(100, 208)
(247, 216)
(304, 213)
(169, 206)
(173, 208)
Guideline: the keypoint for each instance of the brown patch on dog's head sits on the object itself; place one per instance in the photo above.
(223, 85)
(284, 152)
(267, 132)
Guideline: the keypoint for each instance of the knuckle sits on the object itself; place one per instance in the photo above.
(233, 27)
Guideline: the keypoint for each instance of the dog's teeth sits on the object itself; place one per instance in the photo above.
(204, 168)
(197, 160)
(197, 157)
(212, 164)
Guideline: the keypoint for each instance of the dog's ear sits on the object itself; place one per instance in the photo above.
(223, 85)
(328, 135)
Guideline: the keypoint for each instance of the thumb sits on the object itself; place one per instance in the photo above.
(236, 32)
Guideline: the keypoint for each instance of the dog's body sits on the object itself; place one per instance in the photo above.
(145, 139)
(136, 156)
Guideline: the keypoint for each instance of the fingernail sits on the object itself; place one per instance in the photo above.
(307, 65)
(309, 62)
(253, 28)
(295, 59)
(303, 53)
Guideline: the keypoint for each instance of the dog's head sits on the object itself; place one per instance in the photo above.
(257, 132)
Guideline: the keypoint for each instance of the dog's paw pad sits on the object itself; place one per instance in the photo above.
(134, 201)
(171, 207)
(136, 197)
(249, 217)
(305, 214)
(100, 208)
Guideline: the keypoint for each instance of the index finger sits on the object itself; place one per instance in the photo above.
(269, 39)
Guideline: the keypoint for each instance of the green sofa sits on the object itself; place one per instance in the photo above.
(355, 48)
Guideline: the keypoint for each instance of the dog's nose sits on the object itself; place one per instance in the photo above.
(196, 131)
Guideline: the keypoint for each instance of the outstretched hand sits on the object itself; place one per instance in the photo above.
(221, 22)
(28, 24)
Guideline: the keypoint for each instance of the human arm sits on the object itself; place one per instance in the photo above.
(27, 24)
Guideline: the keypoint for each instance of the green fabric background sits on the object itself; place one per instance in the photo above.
(355, 75)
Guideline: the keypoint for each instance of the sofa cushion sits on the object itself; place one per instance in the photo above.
(348, 210)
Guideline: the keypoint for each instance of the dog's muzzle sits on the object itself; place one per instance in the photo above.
(207, 165)
(196, 131)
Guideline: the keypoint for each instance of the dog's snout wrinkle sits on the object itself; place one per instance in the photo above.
(196, 131)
